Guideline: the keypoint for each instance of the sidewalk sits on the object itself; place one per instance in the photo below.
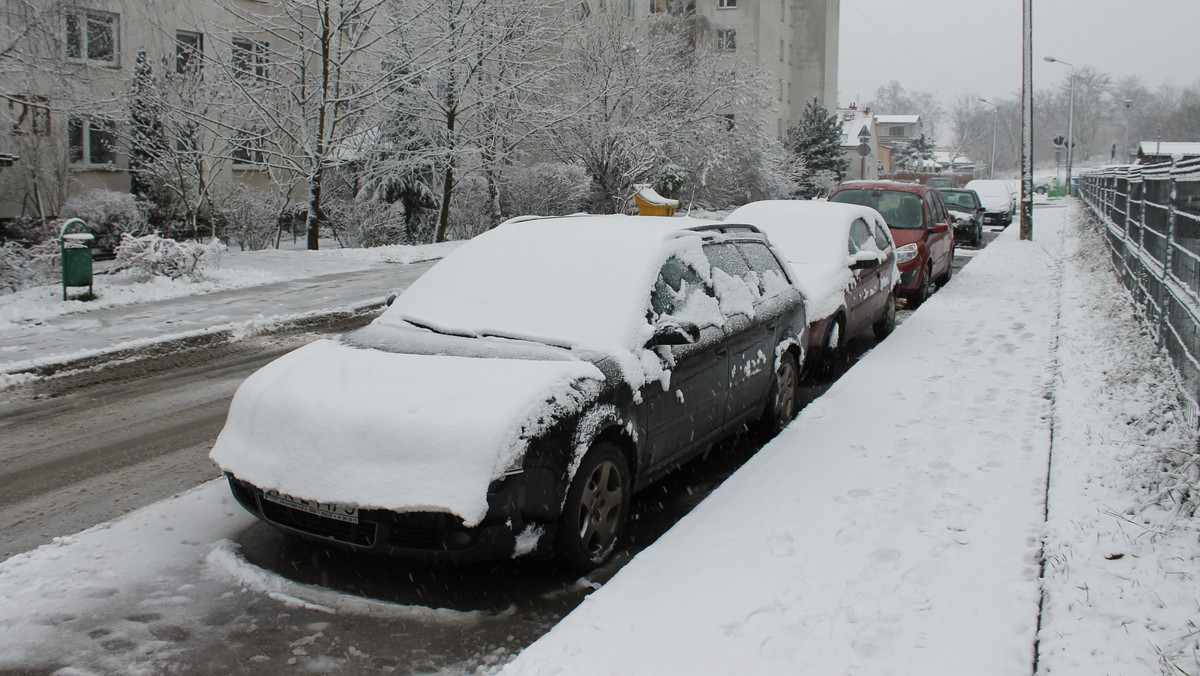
(896, 526)
(126, 331)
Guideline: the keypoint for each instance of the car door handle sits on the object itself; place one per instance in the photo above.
(721, 352)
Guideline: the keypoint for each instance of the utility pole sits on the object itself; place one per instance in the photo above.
(1027, 123)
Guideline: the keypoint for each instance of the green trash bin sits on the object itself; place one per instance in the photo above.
(76, 250)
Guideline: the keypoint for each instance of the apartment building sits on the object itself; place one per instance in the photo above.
(794, 41)
(64, 98)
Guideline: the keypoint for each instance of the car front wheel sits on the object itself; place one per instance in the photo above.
(596, 508)
(925, 290)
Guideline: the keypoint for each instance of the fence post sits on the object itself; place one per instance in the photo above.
(1168, 257)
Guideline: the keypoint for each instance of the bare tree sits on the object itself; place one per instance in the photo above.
(636, 96)
(302, 78)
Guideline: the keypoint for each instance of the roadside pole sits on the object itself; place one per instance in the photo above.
(1027, 124)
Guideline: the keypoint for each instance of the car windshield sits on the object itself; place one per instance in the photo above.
(959, 199)
(900, 209)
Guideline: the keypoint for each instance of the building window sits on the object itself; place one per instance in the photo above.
(248, 147)
(895, 131)
(726, 4)
(726, 39)
(249, 59)
(92, 37)
(91, 141)
(628, 8)
(30, 115)
(189, 52)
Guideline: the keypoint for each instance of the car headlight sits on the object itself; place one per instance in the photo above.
(906, 253)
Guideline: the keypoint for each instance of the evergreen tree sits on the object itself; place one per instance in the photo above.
(910, 155)
(816, 139)
(146, 142)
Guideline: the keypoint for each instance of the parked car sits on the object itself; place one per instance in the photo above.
(967, 212)
(844, 262)
(920, 226)
(997, 202)
(942, 182)
(515, 396)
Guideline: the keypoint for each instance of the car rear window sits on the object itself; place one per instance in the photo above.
(901, 210)
(959, 199)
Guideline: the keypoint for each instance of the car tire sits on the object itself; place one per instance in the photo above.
(884, 326)
(782, 404)
(945, 279)
(831, 345)
(596, 508)
(978, 241)
(925, 290)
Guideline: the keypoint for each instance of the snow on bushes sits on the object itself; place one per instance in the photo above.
(109, 214)
(22, 266)
(251, 214)
(154, 256)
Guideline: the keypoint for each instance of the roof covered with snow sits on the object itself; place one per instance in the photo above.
(897, 119)
(1176, 149)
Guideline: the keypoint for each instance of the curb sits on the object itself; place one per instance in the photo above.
(158, 354)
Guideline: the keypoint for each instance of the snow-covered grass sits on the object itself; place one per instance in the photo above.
(237, 269)
(1121, 552)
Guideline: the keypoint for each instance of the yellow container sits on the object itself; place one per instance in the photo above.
(650, 203)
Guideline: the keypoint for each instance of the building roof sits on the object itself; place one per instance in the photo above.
(897, 119)
(1176, 149)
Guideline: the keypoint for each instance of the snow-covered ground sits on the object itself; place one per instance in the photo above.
(235, 270)
(893, 528)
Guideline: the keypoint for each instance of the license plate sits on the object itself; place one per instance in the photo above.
(329, 510)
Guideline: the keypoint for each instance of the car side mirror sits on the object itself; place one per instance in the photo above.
(864, 260)
(674, 333)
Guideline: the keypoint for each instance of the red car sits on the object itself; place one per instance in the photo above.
(920, 225)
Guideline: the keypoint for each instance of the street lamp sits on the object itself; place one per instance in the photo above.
(995, 109)
(1127, 102)
(1070, 120)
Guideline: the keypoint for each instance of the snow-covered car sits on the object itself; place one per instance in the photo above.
(997, 201)
(967, 211)
(516, 395)
(844, 264)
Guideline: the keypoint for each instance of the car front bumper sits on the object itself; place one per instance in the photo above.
(428, 536)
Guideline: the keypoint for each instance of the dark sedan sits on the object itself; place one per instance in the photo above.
(515, 397)
(967, 211)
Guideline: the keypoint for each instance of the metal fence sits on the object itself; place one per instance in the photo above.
(1151, 216)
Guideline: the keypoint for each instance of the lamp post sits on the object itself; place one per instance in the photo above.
(995, 109)
(1127, 102)
(1070, 120)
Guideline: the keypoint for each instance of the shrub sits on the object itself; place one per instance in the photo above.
(109, 214)
(250, 215)
(154, 256)
(22, 266)
(366, 223)
(546, 189)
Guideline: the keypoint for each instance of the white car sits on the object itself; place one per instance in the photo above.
(997, 199)
(845, 264)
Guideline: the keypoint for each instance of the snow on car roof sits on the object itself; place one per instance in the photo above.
(804, 231)
(573, 281)
(812, 236)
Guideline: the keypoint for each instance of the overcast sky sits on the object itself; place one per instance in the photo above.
(973, 47)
